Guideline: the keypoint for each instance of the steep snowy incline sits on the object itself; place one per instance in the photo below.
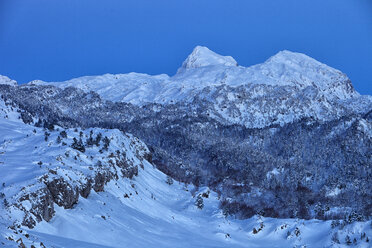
(41, 169)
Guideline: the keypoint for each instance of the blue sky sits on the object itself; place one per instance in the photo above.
(56, 40)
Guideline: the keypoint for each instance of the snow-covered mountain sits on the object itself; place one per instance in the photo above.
(253, 152)
(287, 87)
(204, 68)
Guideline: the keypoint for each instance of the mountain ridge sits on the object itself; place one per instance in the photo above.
(214, 69)
(286, 87)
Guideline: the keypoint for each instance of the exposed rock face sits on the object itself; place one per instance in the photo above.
(42, 207)
(58, 191)
(85, 188)
(100, 180)
(148, 157)
(64, 195)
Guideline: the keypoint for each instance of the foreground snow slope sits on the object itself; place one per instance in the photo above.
(164, 215)
(141, 210)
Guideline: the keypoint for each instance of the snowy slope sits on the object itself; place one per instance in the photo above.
(41, 169)
(7, 112)
(139, 211)
(164, 215)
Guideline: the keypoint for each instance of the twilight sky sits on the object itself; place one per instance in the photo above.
(55, 40)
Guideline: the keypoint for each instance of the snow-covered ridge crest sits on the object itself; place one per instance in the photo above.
(7, 81)
(204, 68)
(131, 87)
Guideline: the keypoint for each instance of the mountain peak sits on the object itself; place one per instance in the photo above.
(7, 81)
(286, 66)
(293, 59)
(289, 55)
(201, 56)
